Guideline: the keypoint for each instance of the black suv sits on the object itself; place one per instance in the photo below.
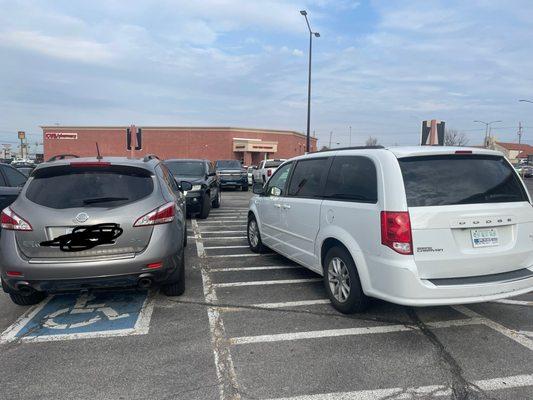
(232, 174)
(11, 182)
(205, 192)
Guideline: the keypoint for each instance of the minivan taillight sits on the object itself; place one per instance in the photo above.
(13, 222)
(161, 215)
(396, 231)
(269, 172)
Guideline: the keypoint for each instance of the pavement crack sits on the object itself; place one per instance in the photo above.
(461, 388)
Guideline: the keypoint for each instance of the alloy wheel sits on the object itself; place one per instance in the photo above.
(339, 279)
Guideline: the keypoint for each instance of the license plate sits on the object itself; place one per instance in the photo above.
(484, 237)
(56, 231)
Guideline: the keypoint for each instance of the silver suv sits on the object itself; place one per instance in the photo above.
(92, 223)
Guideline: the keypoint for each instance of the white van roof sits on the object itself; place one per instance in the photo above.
(412, 151)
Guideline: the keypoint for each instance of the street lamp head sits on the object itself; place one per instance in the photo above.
(316, 34)
(303, 12)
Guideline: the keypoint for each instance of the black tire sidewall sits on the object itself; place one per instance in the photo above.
(206, 206)
(357, 301)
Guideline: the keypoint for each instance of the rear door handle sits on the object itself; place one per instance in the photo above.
(277, 205)
(286, 206)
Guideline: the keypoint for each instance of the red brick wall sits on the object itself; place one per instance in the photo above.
(209, 143)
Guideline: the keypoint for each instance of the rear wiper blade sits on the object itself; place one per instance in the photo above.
(103, 199)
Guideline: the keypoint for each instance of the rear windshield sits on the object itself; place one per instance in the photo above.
(67, 187)
(228, 164)
(273, 164)
(459, 179)
(186, 168)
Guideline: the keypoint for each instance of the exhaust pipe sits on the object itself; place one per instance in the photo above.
(144, 283)
(24, 288)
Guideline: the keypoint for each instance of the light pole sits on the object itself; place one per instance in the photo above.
(487, 126)
(350, 136)
(311, 34)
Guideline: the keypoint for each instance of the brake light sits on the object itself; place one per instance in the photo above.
(90, 164)
(154, 265)
(14, 273)
(161, 215)
(396, 231)
(13, 222)
(269, 172)
(463, 152)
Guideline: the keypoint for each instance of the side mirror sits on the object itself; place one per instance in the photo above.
(258, 188)
(255, 167)
(185, 186)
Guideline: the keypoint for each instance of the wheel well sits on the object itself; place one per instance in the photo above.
(251, 215)
(327, 245)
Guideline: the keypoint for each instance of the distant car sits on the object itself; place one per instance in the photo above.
(92, 223)
(205, 192)
(232, 174)
(11, 182)
(265, 170)
(26, 170)
(250, 172)
(525, 170)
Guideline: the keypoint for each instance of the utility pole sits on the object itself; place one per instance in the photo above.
(520, 132)
(350, 136)
(330, 135)
(311, 34)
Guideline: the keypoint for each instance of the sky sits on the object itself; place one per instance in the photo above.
(379, 66)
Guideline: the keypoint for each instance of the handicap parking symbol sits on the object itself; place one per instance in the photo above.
(84, 315)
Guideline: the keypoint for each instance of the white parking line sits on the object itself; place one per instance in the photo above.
(292, 303)
(239, 255)
(281, 337)
(198, 239)
(418, 392)
(240, 231)
(510, 333)
(515, 302)
(245, 246)
(265, 268)
(260, 283)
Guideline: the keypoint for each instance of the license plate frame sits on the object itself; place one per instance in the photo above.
(56, 231)
(484, 237)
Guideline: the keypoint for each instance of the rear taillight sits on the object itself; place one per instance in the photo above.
(13, 222)
(396, 231)
(161, 215)
(269, 172)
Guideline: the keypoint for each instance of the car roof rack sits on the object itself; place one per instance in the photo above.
(352, 148)
(149, 157)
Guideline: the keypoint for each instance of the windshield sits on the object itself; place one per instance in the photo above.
(186, 168)
(67, 187)
(451, 179)
(273, 164)
(228, 164)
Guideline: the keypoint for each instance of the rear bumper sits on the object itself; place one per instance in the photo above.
(233, 182)
(60, 274)
(401, 285)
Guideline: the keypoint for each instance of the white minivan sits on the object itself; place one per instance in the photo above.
(417, 226)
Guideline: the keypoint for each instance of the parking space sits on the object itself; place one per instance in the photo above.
(259, 327)
(275, 335)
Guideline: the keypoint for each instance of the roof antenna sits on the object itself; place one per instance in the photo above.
(98, 157)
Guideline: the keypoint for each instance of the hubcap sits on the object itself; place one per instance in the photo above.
(339, 279)
(253, 234)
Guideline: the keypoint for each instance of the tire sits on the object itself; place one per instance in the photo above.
(254, 241)
(185, 234)
(244, 188)
(206, 207)
(176, 288)
(216, 202)
(34, 298)
(339, 262)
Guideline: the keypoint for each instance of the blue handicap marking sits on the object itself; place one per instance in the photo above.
(85, 314)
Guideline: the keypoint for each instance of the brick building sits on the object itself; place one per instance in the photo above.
(214, 143)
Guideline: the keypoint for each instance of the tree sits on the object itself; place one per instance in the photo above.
(324, 148)
(452, 137)
(371, 141)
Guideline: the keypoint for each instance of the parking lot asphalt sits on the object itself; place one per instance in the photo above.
(259, 327)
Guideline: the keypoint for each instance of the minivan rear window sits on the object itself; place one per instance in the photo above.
(273, 164)
(68, 187)
(459, 179)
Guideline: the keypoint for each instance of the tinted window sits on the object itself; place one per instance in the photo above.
(446, 180)
(14, 177)
(2, 179)
(66, 187)
(307, 178)
(186, 168)
(228, 164)
(276, 184)
(168, 178)
(352, 178)
(273, 164)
